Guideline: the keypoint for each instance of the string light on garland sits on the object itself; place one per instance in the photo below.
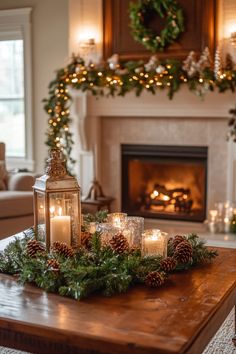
(115, 79)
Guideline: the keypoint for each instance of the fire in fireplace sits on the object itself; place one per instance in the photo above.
(167, 182)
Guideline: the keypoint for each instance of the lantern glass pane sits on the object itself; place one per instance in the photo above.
(64, 215)
(41, 216)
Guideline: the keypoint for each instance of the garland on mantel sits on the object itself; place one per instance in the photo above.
(112, 78)
(102, 268)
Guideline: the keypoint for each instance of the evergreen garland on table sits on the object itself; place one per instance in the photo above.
(167, 9)
(99, 269)
(115, 79)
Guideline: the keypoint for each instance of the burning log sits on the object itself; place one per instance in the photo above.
(179, 198)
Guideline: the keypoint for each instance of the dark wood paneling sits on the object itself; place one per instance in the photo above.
(200, 18)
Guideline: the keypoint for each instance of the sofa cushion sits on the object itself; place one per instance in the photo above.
(3, 175)
(15, 203)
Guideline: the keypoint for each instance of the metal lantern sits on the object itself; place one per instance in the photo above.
(57, 208)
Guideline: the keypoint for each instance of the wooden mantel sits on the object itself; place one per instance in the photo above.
(180, 317)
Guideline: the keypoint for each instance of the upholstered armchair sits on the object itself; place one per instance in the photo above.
(16, 199)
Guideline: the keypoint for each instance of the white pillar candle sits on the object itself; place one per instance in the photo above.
(154, 243)
(60, 229)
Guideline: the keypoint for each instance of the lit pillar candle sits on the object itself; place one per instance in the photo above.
(60, 228)
(154, 242)
(117, 220)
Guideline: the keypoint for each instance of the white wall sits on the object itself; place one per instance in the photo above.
(49, 52)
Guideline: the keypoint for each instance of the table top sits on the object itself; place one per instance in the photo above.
(179, 317)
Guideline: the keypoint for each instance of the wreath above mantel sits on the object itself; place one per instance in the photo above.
(166, 9)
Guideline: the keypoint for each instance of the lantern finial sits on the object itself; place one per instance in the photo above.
(56, 165)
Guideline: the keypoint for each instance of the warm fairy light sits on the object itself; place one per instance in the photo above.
(154, 194)
(200, 80)
(74, 80)
(166, 198)
(99, 73)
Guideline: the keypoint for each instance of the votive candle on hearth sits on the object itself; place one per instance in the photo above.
(117, 220)
(213, 215)
(154, 242)
(213, 221)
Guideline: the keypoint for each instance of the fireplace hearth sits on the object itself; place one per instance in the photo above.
(165, 182)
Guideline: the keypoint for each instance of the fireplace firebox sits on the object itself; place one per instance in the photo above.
(165, 182)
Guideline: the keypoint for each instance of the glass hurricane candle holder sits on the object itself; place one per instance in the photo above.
(135, 225)
(107, 231)
(117, 220)
(154, 243)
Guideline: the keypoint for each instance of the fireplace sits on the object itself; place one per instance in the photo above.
(165, 182)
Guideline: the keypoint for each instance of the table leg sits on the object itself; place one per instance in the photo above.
(234, 338)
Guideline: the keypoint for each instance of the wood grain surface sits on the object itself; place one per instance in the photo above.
(180, 317)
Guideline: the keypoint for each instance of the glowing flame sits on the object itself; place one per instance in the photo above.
(154, 194)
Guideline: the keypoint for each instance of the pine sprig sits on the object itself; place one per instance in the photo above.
(100, 216)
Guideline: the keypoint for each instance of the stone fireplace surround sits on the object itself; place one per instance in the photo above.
(101, 125)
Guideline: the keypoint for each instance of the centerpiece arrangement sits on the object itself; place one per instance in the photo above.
(106, 253)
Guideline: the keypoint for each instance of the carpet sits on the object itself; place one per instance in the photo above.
(221, 343)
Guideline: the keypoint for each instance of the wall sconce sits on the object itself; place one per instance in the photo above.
(88, 50)
(233, 39)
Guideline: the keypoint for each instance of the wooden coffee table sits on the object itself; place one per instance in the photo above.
(180, 317)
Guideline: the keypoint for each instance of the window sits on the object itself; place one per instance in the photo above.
(15, 87)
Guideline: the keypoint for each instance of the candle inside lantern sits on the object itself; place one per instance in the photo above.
(154, 242)
(60, 226)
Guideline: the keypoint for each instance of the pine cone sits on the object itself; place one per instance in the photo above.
(177, 239)
(119, 243)
(33, 247)
(53, 264)
(183, 252)
(168, 264)
(86, 239)
(154, 279)
(62, 249)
